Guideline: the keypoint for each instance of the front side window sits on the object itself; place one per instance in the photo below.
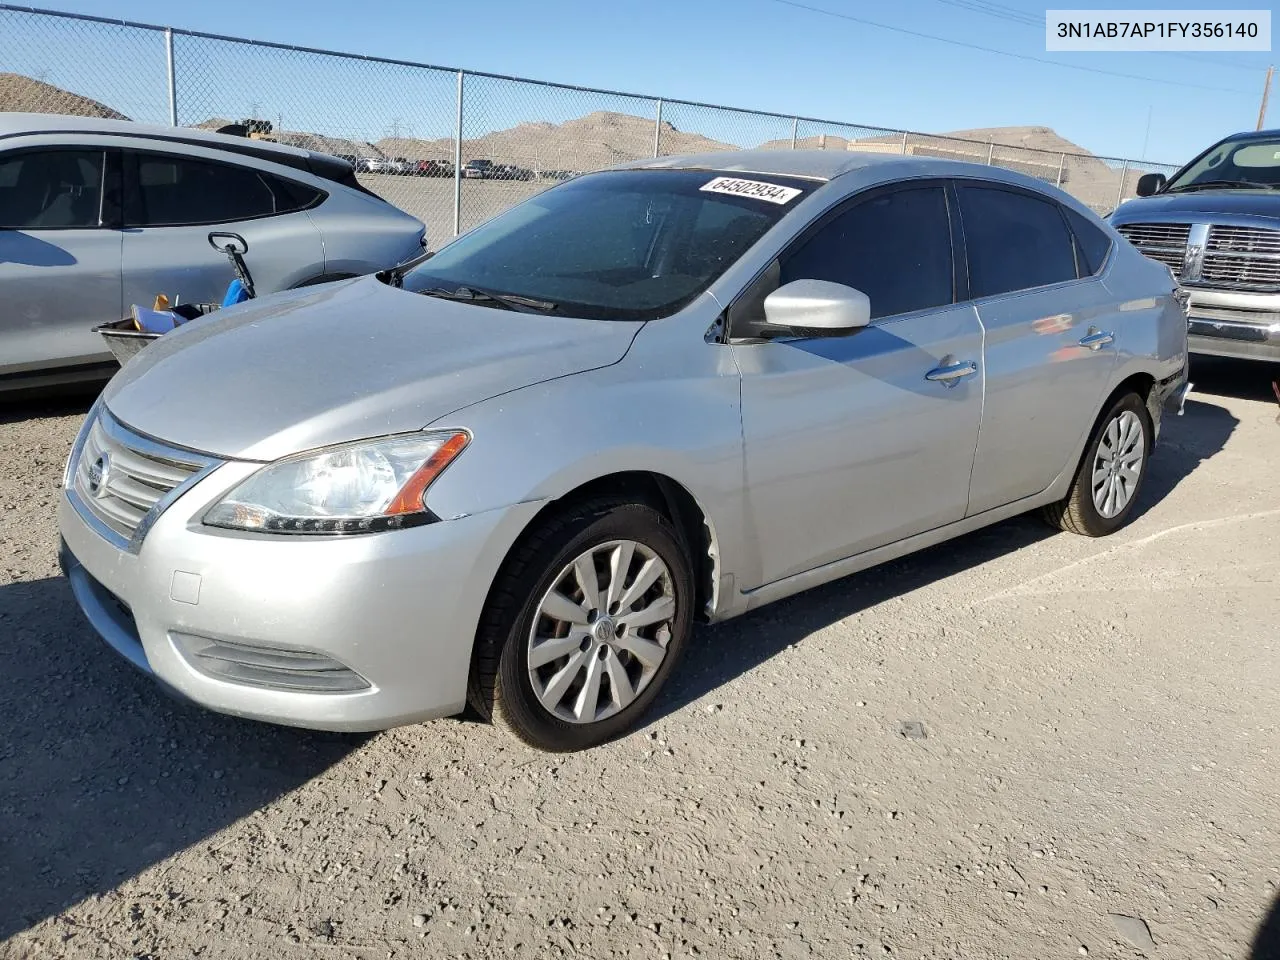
(49, 190)
(895, 248)
(618, 245)
(1015, 241)
(172, 191)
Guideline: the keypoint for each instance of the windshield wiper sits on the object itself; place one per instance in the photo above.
(1210, 184)
(508, 301)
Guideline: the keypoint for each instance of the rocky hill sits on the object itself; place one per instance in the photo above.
(19, 94)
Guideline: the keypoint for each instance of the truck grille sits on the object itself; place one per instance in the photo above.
(1244, 239)
(1163, 242)
(123, 480)
(1245, 257)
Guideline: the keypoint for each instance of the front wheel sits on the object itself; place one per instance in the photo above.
(583, 625)
(1106, 487)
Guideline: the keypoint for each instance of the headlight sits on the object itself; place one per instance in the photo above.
(360, 487)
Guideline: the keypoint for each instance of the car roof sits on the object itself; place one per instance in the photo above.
(809, 164)
(822, 164)
(319, 164)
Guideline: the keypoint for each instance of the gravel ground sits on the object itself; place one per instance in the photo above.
(430, 199)
(1099, 720)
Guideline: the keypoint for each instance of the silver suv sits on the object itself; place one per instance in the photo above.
(1216, 225)
(98, 214)
(517, 475)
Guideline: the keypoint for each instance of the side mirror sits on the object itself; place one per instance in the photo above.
(1151, 183)
(817, 308)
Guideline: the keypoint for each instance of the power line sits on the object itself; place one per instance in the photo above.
(1007, 53)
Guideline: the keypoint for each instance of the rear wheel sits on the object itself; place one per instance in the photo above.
(1105, 490)
(584, 624)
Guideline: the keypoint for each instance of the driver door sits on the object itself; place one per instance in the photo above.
(849, 443)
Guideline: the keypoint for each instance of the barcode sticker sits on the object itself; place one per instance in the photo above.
(756, 189)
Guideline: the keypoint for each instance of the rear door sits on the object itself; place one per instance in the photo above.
(1050, 338)
(849, 444)
(173, 200)
(59, 263)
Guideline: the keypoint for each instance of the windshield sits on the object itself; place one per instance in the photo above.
(619, 245)
(1238, 163)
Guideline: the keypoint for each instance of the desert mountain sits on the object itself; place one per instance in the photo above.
(19, 94)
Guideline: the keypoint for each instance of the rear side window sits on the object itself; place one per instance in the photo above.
(1092, 244)
(895, 248)
(1014, 241)
(170, 191)
(47, 190)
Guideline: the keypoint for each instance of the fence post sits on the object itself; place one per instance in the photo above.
(1124, 175)
(173, 86)
(457, 163)
(991, 149)
(1062, 168)
(904, 143)
(795, 128)
(657, 131)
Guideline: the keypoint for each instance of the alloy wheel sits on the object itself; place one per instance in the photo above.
(1118, 464)
(601, 632)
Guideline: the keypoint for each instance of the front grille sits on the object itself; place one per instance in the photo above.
(1245, 257)
(1163, 242)
(123, 479)
(1243, 239)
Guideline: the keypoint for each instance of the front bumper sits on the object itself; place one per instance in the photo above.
(1243, 325)
(396, 610)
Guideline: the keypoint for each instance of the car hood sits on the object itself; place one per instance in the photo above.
(1256, 203)
(343, 362)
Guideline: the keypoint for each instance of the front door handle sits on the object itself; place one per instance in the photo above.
(1097, 339)
(952, 373)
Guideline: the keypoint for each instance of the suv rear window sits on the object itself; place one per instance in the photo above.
(169, 190)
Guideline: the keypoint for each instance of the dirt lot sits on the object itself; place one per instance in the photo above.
(430, 199)
(1101, 733)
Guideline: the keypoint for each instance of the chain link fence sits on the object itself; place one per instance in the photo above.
(450, 147)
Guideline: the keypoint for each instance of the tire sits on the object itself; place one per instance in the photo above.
(1079, 512)
(594, 647)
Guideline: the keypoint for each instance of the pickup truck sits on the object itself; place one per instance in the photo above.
(1216, 225)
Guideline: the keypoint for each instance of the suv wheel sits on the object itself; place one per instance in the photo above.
(584, 624)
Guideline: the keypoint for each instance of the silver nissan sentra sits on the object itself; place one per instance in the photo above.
(517, 474)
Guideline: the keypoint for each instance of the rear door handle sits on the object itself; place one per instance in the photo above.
(1097, 340)
(952, 373)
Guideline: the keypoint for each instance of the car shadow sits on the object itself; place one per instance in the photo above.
(34, 403)
(101, 776)
(723, 652)
(1266, 942)
(1244, 379)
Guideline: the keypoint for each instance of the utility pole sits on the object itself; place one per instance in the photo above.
(1266, 92)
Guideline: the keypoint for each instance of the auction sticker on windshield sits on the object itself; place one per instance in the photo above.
(752, 188)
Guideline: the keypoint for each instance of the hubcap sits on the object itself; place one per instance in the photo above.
(601, 632)
(1118, 464)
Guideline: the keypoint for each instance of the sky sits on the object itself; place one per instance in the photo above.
(786, 56)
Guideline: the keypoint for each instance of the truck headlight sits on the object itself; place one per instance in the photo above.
(362, 487)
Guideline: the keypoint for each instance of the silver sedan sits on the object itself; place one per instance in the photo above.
(518, 475)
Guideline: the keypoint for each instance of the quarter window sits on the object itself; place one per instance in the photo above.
(895, 248)
(1092, 244)
(1014, 241)
(55, 189)
(180, 191)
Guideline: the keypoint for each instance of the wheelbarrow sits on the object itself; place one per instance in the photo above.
(128, 336)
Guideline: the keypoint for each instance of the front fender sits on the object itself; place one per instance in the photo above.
(543, 441)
